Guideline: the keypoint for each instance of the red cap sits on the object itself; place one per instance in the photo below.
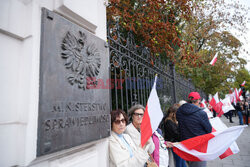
(195, 96)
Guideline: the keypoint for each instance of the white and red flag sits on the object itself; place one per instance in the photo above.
(218, 107)
(214, 59)
(243, 84)
(240, 92)
(214, 100)
(203, 103)
(218, 125)
(209, 146)
(152, 115)
(226, 106)
(235, 95)
(204, 106)
(231, 96)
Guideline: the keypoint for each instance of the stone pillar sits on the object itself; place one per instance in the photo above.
(20, 30)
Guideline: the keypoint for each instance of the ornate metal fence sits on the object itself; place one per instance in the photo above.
(132, 73)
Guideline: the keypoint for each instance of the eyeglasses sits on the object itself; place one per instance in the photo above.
(119, 121)
(138, 114)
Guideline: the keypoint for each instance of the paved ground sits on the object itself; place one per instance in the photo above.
(242, 159)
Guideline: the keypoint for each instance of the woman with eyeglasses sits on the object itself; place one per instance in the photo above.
(136, 113)
(122, 150)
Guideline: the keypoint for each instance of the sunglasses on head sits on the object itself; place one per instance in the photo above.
(138, 114)
(119, 121)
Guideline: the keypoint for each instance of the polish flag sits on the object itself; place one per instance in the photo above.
(231, 96)
(152, 115)
(203, 104)
(214, 100)
(240, 92)
(243, 84)
(226, 106)
(218, 125)
(214, 59)
(209, 146)
(236, 96)
(218, 107)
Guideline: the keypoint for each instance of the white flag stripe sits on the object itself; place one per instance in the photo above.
(154, 108)
(227, 106)
(234, 148)
(209, 113)
(203, 102)
(216, 97)
(218, 125)
(223, 140)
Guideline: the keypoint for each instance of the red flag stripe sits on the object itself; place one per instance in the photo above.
(214, 61)
(226, 153)
(240, 93)
(243, 84)
(212, 102)
(184, 155)
(220, 114)
(198, 143)
(215, 147)
(218, 107)
(146, 129)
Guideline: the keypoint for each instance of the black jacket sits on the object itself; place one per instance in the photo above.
(192, 121)
(171, 131)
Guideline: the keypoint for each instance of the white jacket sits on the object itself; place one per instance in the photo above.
(136, 137)
(119, 155)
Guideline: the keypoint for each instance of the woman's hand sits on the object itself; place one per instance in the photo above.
(169, 144)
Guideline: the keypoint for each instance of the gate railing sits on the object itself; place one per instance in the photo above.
(132, 72)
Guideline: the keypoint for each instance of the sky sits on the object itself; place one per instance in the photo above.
(246, 43)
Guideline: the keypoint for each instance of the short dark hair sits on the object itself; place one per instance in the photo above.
(132, 110)
(116, 113)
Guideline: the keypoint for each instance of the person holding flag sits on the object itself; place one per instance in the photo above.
(193, 121)
(239, 108)
(122, 150)
(136, 113)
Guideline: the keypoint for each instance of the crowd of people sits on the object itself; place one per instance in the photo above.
(182, 121)
(241, 109)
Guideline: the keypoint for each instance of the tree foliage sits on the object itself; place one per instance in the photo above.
(154, 22)
(241, 76)
(189, 33)
(205, 33)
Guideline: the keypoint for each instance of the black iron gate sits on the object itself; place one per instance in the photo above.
(132, 74)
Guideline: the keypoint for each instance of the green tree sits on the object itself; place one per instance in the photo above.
(187, 32)
(241, 76)
(205, 35)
